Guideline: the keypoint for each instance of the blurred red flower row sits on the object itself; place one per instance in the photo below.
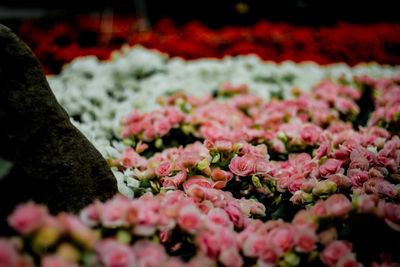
(59, 43)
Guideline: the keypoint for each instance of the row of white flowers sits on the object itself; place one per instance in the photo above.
(96, 94)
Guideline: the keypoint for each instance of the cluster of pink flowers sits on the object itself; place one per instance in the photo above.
(148, 230)
(278, 183)
(386, 92)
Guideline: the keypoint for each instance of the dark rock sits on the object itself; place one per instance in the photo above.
(52, 162)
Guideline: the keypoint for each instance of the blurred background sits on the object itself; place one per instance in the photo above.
(299, 30)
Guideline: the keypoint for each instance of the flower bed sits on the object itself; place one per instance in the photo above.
(236, 166)
(61, 42)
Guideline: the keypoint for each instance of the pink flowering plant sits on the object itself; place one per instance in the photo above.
(234, 180)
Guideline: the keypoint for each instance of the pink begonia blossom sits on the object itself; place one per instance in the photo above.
(338, 205)
(235, 213)
(90, 215)
(223, 145)
(27, 218)
(386, 189)
(231, 257)
(57, 261)
(149, 254)
(349, 260)
(113, 212)
(310, 134)
(111, 253)
(358, 177)
(79, 231)
(392, 215)
(164, 168)
(8, 254)
(334, 251)
(330, 167)
(220, 217)
(305, 240)
(242, 166)
(268, 258)
(190, 159)
(282, 237)
(304, 219)
(220, 175)
(190, 218)
(327, 235)
(130, 158)
(319, 209)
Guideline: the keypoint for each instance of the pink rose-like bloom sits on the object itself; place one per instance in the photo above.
(349, 260)
(162, 127)
(328, 235)
(149, 254)
(220, 217)
(179, 178)
(310, 134)
(304, 220)
(130, 158)
(358, 177)
(306, 241)
(262, 166)
(282, 237)
(242, 166)
(56, 261)
(113, 212)
(392, 215)
(231, 257)
(79, 231)
(190, 159)
(334, 251)
(27, 218)
(164, 168)
(111, 253)
(320, 209)
(190, 218)
(235, 213)
(223, 145)
(386, 189)
(338, 205)
(197, 180)
(220, 175)
(8, 255)
(90, 215)
(330, 167)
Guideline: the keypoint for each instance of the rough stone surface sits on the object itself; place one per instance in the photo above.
(53, 163)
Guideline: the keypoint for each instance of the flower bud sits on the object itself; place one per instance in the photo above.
(203, 164)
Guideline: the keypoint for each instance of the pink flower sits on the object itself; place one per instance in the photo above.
(329, 167)
(90, 215)
(220, 175)
(334, 251)
(164, 168)
(282, 237)
(304, 219)
(197, 180)
(268, 258)
(327, 236)
(223, 145)
(8, 254)
(190, 218)
(392, 215)
(111, 253)
(305, 241)
(320, 209)
(338, 205)
(358, 177)
(386, 189)
(80, 232)
(349, 260)
(236, 214)
(162, 127)
(242, 166)
(190, 159)
(310, 134)
(231, 257)
(27, 218)
(149, 254)
(220, 217)
(130, 158)
(56, 261)
(255, 245)
(113, 212)
(262, 166)
(179, 178)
